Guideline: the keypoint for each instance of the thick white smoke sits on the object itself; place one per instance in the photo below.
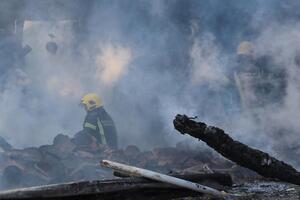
(149, 61)
(112, 63)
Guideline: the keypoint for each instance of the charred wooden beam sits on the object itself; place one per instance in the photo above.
(110, 189)
(253, 159)
(125, 188)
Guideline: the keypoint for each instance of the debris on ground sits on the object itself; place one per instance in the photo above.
(77, 159)
(175, 181)
(69, 169)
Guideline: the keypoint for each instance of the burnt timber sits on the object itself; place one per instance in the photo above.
(245, 156)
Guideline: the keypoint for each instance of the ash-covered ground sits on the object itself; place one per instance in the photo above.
(267, 190)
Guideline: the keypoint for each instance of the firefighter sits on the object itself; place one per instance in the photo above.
(245, 57)
(260, 81)
(98, 122)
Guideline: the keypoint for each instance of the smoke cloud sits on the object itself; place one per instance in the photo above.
(112, 63)
(148, 60)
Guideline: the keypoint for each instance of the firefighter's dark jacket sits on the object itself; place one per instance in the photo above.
(99, 124)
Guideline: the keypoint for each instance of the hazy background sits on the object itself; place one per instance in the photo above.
(149, 60)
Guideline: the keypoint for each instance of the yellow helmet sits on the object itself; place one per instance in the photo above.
(245, 48)
(91, 101)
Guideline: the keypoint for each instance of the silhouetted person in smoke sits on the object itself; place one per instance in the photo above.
(246, 58)
(261, 82)
(98, 122)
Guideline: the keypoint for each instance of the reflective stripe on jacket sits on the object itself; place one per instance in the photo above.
(99, 124)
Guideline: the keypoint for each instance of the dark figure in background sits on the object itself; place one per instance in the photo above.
(260, 81)
(98, 122)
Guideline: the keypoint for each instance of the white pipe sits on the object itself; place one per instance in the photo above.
(135, 171)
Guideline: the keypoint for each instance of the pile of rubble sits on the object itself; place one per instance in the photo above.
(77, 159)
(191, 173)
